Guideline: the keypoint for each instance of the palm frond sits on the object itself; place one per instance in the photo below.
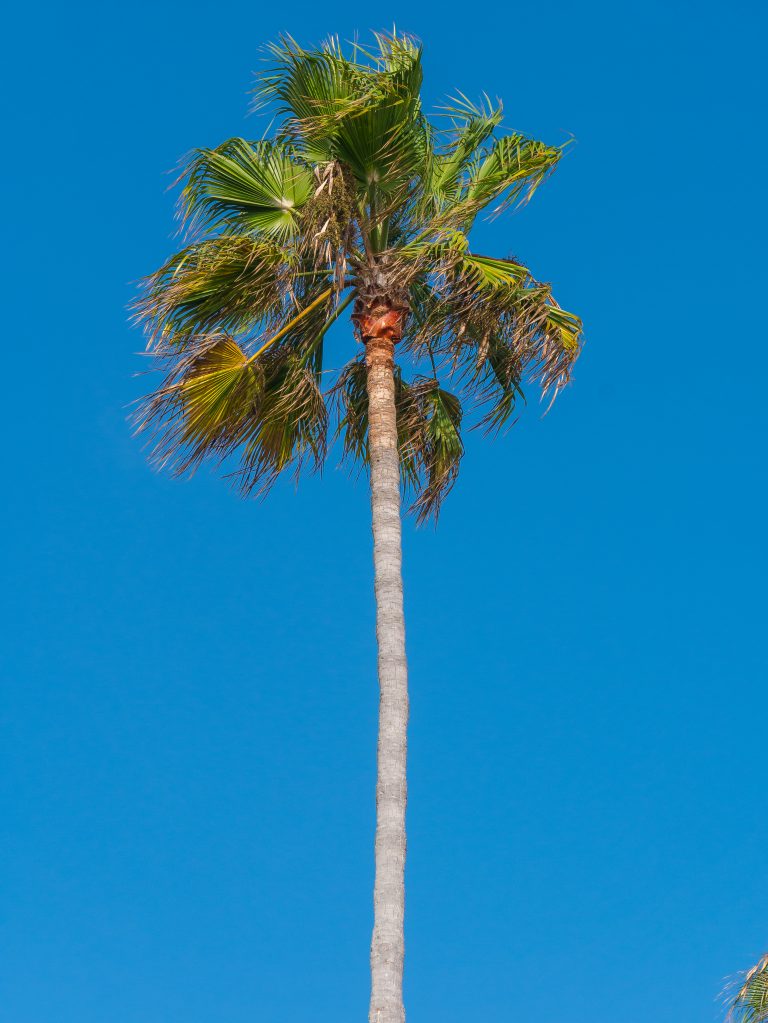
(204, 405)
(428, 428)
(228, 283)
(506, 175)
(264, 410)
(472, 124)
(429, 421)
(292, 426)
(350, 398)
(748, 1003)
(364, 113)
(218, 402)
(493, 322)
(252, 186)
(511, 172)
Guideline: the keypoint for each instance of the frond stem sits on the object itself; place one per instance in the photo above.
(291, 323)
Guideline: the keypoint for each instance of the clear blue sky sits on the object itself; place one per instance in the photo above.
(190, 695)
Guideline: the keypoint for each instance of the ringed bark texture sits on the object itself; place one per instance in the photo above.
(388, 943)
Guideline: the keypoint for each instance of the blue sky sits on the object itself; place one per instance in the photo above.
(190, 699)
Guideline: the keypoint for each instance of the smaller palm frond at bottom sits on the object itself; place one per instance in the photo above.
(218, 402)
(428, 428)
(747, 996)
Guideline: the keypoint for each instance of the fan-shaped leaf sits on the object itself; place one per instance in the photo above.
(255, 186)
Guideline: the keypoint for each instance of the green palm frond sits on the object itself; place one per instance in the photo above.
(350, 398)
(291, 428)
(507, 174)
(489, 273)
(492, 321)
(749, 1002)
(429, 419)
(364, 113)
(512, 171)
(218, 402)
(521, 323)
(264, 409)
(205, 403)
(225, 283)
(429, 434)
(313, 90)
(251, 186)
(471, 126)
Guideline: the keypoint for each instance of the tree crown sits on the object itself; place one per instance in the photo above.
(356, 197)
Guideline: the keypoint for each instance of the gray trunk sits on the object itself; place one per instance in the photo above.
(388, 945)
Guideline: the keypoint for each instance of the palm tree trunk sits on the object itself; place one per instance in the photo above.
(388, 945)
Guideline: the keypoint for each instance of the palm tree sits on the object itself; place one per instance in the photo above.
(357, 200)
(748, 1003)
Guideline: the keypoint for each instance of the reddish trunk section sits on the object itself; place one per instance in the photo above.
(379, 322)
